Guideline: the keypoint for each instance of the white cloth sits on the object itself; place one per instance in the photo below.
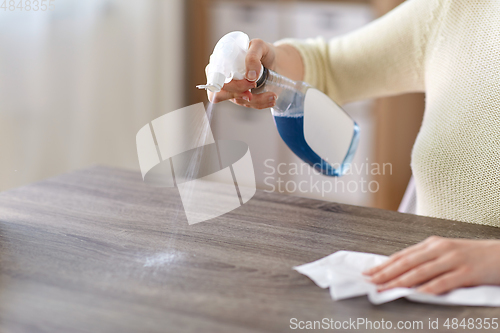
(342, 273)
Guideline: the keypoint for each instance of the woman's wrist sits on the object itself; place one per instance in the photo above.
(288, 62)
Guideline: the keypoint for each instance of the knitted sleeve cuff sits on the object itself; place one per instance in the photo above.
(312, 58)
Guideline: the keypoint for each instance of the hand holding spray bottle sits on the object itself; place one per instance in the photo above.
(314, 127)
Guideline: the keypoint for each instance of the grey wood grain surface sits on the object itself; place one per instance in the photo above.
(97, 250)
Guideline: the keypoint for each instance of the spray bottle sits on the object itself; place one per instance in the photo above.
(313, 126)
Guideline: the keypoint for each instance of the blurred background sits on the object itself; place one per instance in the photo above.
(78, 80)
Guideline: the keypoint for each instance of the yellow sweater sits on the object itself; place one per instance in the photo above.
(451, 50)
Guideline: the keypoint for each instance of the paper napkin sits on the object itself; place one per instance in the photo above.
(342, 273)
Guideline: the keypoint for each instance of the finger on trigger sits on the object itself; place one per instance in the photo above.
(221, 96)
(239, 86)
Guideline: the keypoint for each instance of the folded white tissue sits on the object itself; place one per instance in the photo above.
(342, 272)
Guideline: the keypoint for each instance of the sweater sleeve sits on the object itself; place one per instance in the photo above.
(384, 58)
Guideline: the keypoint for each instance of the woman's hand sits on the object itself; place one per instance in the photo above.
(283, 59)
(238, 91)
(440, 265)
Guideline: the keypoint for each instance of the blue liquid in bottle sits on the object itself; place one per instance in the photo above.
(291, 130)
(288, 116)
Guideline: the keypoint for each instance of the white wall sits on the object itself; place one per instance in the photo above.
(78, 82)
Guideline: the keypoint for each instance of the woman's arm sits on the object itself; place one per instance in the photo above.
(386, 57)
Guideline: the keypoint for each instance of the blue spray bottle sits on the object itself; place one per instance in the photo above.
(313, 126)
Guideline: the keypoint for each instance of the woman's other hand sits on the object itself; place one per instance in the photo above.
(438, 265)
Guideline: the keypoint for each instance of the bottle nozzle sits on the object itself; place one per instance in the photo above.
(227, 61)
(215, 82)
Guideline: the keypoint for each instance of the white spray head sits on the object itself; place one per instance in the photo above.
(227, 62)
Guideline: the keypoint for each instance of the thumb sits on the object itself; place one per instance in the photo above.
(253, 59)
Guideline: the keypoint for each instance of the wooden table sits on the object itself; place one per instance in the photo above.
(99, 251)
